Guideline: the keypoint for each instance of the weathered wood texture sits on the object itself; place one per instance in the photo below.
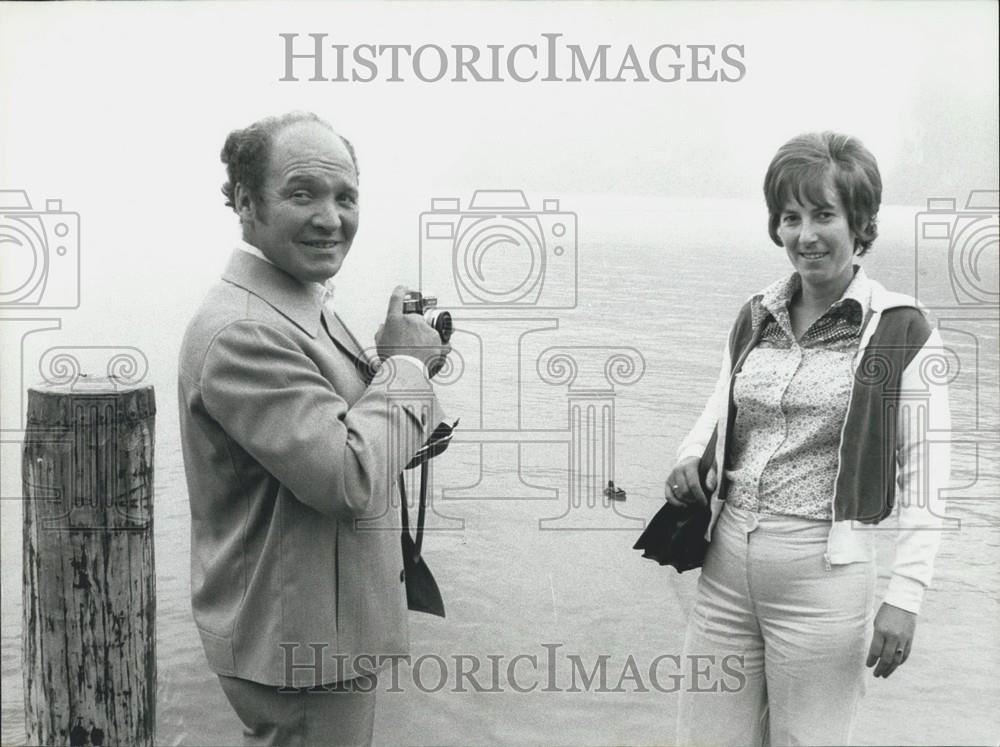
(89, 643)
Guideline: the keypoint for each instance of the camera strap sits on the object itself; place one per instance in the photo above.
(422, 593)
(418, 541)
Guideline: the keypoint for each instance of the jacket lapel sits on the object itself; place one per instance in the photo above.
(348, 344)
(297, 301)
(292, 298)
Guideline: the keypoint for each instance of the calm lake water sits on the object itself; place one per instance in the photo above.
(518, 580)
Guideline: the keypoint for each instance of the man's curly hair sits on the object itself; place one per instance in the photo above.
(246, 152)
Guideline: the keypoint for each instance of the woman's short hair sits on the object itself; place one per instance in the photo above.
(246, 152)
(804, 166)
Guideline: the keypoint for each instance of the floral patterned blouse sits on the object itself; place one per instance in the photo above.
(791, 399)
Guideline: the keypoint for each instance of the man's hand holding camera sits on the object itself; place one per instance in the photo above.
(416, 333)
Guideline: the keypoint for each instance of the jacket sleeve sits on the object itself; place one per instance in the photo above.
(716, 408)
(272, 400)
(923, 457)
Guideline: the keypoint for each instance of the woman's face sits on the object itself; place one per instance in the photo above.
(819, 241)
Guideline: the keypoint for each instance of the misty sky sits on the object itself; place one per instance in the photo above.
(141, 96)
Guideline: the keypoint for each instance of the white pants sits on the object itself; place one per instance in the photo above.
(803, 631)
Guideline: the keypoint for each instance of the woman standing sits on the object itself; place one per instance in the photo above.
(820, 411)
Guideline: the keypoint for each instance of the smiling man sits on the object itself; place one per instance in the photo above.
(289, 441)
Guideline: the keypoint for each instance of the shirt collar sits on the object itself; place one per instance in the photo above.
(773, 301)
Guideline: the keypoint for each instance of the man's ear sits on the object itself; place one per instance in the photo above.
(244, 204)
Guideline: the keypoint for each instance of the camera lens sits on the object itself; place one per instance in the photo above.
(440, 320)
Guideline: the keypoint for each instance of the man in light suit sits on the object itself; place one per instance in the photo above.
(292, 445)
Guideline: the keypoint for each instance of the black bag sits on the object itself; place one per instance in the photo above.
(422, 593)
(676, 535)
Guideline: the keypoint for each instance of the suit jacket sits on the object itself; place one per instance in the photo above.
(291, 453)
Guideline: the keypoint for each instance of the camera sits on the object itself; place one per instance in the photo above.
(499, 252)
(957, 251)
(41, 266)
(417, 303)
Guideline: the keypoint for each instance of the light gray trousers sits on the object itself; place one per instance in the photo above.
(802, 629)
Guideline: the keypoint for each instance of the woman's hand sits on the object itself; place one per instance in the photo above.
(894, 628)
(683, 486)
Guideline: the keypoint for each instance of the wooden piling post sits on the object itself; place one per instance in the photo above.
(89, 642)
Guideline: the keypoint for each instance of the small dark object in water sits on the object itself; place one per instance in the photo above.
(615, 494)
